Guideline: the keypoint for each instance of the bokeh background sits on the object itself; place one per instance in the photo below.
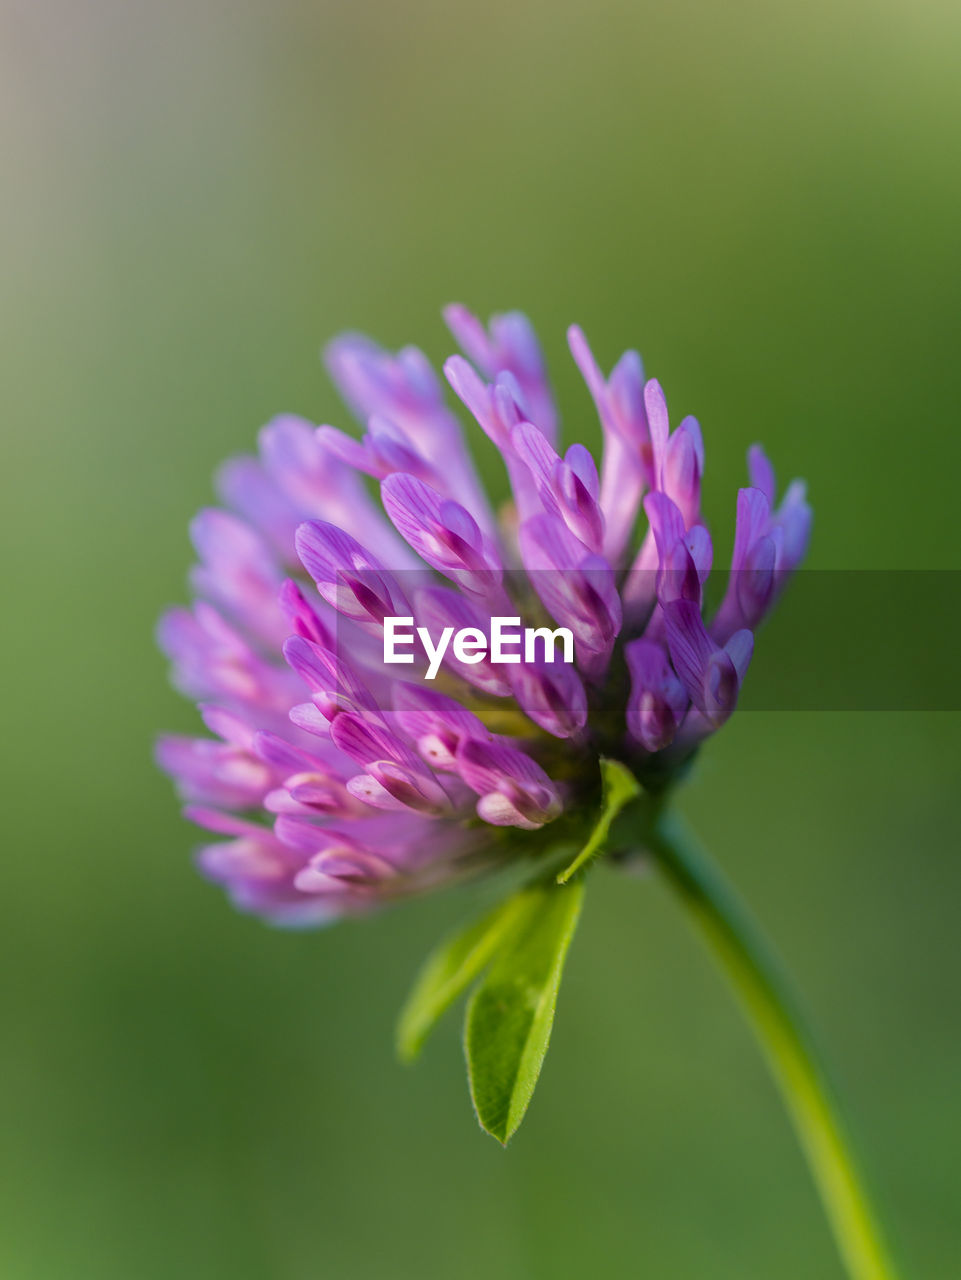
(765, 199)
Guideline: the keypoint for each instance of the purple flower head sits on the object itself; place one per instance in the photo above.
(401, 693)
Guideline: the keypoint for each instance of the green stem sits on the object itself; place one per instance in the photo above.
(756, 976)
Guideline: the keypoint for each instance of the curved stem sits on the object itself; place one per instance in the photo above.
(756, 976)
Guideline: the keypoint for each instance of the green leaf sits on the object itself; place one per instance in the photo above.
(510, 1015)
(620, 787)
(451, 968)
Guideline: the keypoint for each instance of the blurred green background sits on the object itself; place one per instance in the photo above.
(765, 199)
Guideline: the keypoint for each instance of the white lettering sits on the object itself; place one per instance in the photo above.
(499, 639)
(550, 640)
(435, 655)
(392, 639)
(470, 644)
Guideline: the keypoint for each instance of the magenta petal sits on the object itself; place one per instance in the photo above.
(553, 695)
(740, 649)
(753, 515)
(498, 769)
(576, 587)
(655, 406)
(761, 472)
(348, 577)
(658, 699)
(707, 672)
(435, 722)
(509, 347)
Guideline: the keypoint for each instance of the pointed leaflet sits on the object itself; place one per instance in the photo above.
(510, 1015)
(620, 787)
(452, 967)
